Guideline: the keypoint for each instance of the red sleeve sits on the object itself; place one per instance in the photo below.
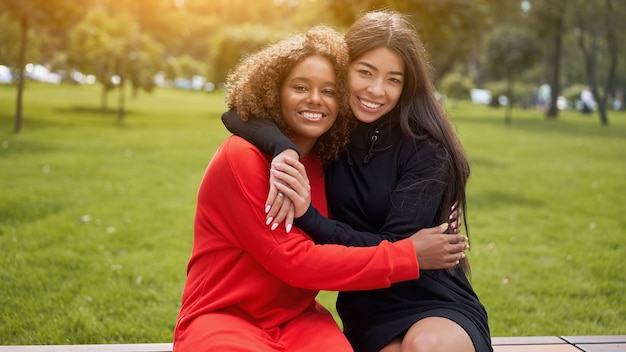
(233, 194)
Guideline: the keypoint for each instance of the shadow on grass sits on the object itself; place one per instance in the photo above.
(490, 199)
(561, 126)
(11, 147)
(26, 211)
(65, 117)
(485, 162)
(81, 110)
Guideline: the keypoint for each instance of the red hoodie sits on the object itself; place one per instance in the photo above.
(266, 278)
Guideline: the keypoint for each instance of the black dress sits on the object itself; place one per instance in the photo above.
(384, 186)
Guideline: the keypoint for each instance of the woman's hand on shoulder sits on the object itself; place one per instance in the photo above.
(293, 182)
(278, 207)
(455, 218)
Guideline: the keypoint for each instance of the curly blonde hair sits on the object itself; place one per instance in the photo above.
(254, 87)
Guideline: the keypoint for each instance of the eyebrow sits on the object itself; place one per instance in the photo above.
(376, 69)
(298, 78)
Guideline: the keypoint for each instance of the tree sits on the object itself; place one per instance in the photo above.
(11, 33)
(509, 50)
(115, 51)
(232, 43)
(90, 46)
(548, 20)
(45, 16)
(597, 23)
(450, 29)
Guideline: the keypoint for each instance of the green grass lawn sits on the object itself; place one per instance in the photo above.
(96, 216)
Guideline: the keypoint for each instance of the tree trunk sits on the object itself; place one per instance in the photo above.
(591, 63)
(611, 41)
(104, 98)
(121, 112)
(20, 75)
(553, 111)
(509, 105)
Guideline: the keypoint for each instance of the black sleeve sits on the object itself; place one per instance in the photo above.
(263, 133)
(323, 230)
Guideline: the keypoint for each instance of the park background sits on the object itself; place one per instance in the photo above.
(111, 112)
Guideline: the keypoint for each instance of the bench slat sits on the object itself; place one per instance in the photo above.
(535, 348)
(146, 347)
(527, 340)
(607, 343)
(602, 347)
(596, 339)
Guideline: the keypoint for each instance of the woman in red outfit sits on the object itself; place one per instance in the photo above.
(403, 169)
(252, 289)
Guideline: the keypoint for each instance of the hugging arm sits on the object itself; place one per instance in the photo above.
(433, 250)
(263, 133)
(266, 136)
(412, 205)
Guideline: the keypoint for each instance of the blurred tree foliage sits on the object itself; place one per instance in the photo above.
(510, 50)
(133, 39)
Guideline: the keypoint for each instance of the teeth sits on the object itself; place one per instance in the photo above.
(310, 115)
(370, 104)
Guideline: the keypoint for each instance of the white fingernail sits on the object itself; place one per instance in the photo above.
(288, 227)
(274, 226)
(268, 220)
(267, 209)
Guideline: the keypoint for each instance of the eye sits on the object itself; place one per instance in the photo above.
(364, 72)
(395, 80)
(329, 92)
(300, 88)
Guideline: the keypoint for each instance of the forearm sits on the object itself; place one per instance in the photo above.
(326, 231)
(262, 133)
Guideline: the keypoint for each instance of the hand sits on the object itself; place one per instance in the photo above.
(293, 183)
(277, 206)
(455, 218)
(437, 250)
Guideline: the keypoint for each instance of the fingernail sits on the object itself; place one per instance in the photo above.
(462, 254)
(444, 225)
(457, 262)
(466, 246)
(288, 227)
(268, 220)
(274, 226)
(267, 209)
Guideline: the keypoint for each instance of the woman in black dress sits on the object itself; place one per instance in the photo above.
(404, 169)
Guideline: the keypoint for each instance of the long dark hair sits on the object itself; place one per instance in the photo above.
(421, 115)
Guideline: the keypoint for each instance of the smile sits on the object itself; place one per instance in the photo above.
(369, 104)
(312, 115)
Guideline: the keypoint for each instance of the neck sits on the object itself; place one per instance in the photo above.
(304, 146)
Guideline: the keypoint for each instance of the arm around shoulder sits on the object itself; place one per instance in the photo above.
(262, 133)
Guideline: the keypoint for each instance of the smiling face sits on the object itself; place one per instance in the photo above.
(376, 79)
(309, 100)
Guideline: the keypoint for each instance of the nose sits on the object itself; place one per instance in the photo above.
(315, 97)
(375, 88)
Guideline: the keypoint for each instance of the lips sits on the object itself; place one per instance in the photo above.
(312, 115)
(369, 104)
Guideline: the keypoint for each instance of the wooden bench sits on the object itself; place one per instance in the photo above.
(604, 343)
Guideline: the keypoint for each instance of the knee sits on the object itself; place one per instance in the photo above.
(422, 342)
